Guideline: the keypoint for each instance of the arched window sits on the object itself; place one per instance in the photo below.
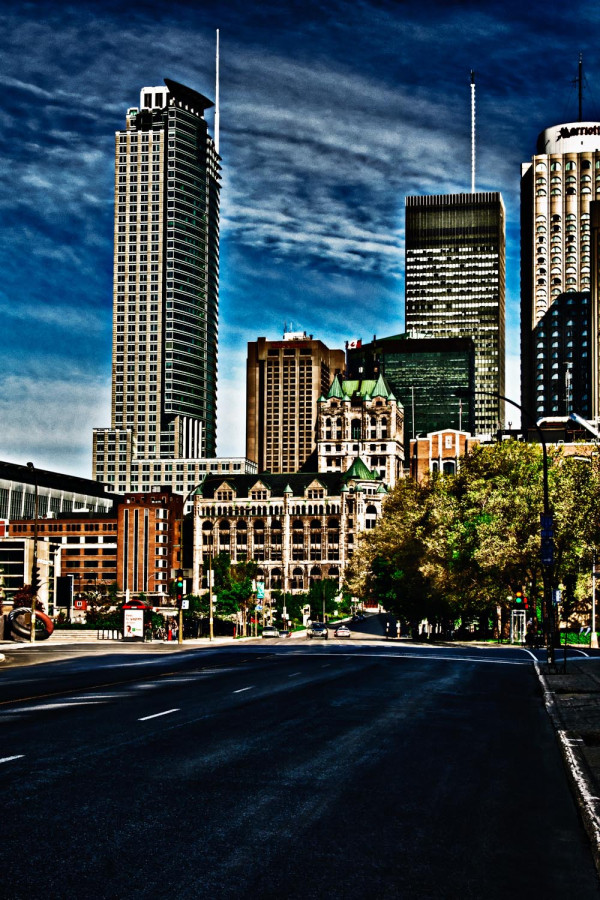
(297, 579)
(355, 430)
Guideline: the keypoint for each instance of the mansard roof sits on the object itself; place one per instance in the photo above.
(296, 483)
(367, 388)
(277, 484)
(360, 471)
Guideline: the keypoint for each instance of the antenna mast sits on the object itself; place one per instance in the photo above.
(217, 96)
(580, 86)
(472, 131)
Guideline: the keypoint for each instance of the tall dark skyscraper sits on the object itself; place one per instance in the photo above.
(425, 375)
(455, 284)
(559, 353)
(166, 288)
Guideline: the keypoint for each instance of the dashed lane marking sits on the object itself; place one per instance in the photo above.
(241, 690)
(166, 712)
(10, 758)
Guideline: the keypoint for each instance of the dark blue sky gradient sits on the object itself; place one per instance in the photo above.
(331, 113)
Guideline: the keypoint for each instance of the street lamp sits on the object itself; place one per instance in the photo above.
(34, 563)
(545, 522)
(187, 497)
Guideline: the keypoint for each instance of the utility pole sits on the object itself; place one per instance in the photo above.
(34, 563)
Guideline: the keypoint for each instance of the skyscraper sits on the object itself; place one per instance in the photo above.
(428, 376)
(284, 382)
(166, 286)
(557, 188)
(455, 284)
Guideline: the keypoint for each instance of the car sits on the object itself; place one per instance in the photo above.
(269, 631)
(318, 630)
(342, 631)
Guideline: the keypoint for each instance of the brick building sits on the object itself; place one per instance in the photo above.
(137, 544)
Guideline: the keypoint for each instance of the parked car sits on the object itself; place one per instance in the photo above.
(269, 631)
(318, 630)
(342, 631)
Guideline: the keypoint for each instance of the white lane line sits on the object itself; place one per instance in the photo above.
(294, 673)
(9, 758)
(398, 656)
(167, 712)
(326, 666)
(241, 690)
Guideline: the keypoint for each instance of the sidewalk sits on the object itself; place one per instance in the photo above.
(573, 703)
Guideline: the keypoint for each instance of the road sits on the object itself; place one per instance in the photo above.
(286, 769)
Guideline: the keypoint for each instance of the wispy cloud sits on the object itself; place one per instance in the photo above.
(331, 113)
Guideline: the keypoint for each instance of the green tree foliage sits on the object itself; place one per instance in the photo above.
(321, 595)
(456, 547)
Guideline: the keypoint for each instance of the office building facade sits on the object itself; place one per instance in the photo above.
(165, 295)
(284, 380)
(455, 284)
(432, 378)
(558, 186)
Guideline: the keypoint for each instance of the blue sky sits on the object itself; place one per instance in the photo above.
(331, 113)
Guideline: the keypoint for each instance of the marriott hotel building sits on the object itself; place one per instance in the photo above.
(558, 297)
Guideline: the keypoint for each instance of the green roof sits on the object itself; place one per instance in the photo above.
(360, 471)
(335, 390)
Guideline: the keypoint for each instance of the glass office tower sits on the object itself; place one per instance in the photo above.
(455, 284)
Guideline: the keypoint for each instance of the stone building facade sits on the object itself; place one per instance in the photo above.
(361, 419)
(300, 527)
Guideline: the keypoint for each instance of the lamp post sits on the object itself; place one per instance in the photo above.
(546, 523)
(34, 564)
(187, 497)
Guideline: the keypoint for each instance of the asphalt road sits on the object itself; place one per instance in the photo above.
(285, 769)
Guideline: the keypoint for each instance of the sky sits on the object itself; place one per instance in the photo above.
(332, 112)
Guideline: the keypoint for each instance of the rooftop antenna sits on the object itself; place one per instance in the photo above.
(217, 96)
(472, 131)
(579, 82)
(580, 87)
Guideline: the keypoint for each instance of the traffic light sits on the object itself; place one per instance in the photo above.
(179, 587)
(519, 597)
(36, 581)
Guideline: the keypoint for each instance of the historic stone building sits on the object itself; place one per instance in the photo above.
(301, 527)
(361, 420)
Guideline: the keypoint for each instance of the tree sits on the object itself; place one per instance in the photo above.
(456, 547)
(321, 596)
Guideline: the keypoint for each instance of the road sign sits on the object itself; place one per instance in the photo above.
(185, 604)
(547, 551)
(547, 525)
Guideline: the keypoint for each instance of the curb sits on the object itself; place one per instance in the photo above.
(577, 768)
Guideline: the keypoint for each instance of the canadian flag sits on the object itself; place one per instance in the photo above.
(352, 345)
